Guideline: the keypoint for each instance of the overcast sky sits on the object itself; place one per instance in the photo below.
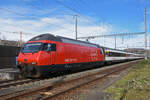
(96, 17)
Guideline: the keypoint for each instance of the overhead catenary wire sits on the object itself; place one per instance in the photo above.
(17, 32)
(60, 2)
(72, 9)
(41, 9)
(16, 13)
(32, 17)
(63, 13)
(37, 17)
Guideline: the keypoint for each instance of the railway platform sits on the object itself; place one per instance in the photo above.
(9, 74)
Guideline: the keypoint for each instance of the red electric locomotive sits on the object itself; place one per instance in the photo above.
(46, 53)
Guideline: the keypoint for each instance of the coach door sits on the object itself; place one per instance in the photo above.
(53, 54)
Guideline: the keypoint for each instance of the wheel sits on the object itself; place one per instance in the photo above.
(35, 73)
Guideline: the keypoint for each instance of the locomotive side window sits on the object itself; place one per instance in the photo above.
(49, 47)
(102, 51)
(53, 47)
(46, 47)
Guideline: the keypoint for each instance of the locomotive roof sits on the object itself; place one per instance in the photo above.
(62, 39)
(45, 37)
(73, 41)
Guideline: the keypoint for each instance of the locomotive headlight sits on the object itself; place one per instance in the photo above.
(33, 63)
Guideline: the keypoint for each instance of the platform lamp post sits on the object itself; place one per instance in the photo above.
(149, 42)
(145, 33)
(20, 39)
(115, 43)
(76, 26)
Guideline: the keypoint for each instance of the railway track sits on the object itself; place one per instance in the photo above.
(6, 81)
(82, 82)
(14, 82)
(57, 86)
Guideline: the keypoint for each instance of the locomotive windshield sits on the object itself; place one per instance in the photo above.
(31, 47)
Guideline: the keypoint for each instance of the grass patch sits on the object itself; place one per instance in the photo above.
(135, 85)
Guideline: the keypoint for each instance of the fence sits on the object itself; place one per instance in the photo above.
(8, 56)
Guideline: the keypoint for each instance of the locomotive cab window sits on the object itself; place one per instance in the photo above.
(31, 47)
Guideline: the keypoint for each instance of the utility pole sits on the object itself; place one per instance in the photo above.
(76, 27)
(104, 41)
(149, 42)
(20, 39)
(145, 28)
(145, 33)
(115, 42)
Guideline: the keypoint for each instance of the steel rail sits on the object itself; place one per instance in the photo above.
(84, 83)
(56, 85)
